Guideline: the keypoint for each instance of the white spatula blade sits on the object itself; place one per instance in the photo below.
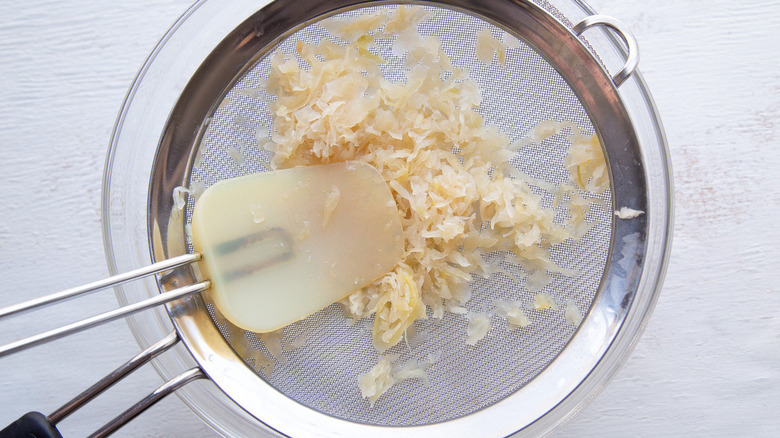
(279, 246)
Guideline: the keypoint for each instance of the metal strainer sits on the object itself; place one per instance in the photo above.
(508, 359)
(176, 130)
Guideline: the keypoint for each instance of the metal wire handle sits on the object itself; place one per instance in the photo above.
(632, 58)
(84, 324)
(167, 388)
(45, 426)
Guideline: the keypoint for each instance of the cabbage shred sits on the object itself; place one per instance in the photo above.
(444, 166)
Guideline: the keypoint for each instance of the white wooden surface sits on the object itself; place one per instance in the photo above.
(707, 364)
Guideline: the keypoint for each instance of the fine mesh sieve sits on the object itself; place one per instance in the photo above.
(304, 382)
(516, 97)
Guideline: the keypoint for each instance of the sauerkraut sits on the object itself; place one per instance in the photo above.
(479, 326)
(586, 163)
(447, 170)
(181, 193)
(382, 376)
(544, 301)
(331, 201)
(488, 47)
(513, 312)
(236, 155)
(628, 213)
(572, 313)
(378, 379)
(180, 197)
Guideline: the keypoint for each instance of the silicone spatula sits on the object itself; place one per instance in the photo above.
(279, 246)
(274, 247)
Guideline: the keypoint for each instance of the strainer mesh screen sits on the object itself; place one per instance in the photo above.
(317, 360)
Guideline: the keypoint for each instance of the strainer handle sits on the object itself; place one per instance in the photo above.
(42, 426)
(31, 424)
(158, 394)
(632, 58)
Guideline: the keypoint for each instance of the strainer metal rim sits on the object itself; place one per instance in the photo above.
(188, 323)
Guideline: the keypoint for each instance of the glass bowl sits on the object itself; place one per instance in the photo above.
(142, 123)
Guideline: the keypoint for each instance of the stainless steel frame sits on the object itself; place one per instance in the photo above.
(597, 91)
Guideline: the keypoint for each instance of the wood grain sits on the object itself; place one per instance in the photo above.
(66, 68)
(707, 364)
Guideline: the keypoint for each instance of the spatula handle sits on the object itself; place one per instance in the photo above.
(112, 315)
(116, 280)
(31, 425)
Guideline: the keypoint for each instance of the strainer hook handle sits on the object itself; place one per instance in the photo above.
(632, 57)
(39, 425)
(166, 389)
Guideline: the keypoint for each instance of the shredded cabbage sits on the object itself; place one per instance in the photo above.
(236, 155)
(382, 376)
(487, 47)
(479, 326)
(378, 379)
(448, 171)
(628, 213)
(572, 313)
(544, 301)
(585, 162)
(180, 194)
(513, 312)
(180, 197)
(331, 201)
